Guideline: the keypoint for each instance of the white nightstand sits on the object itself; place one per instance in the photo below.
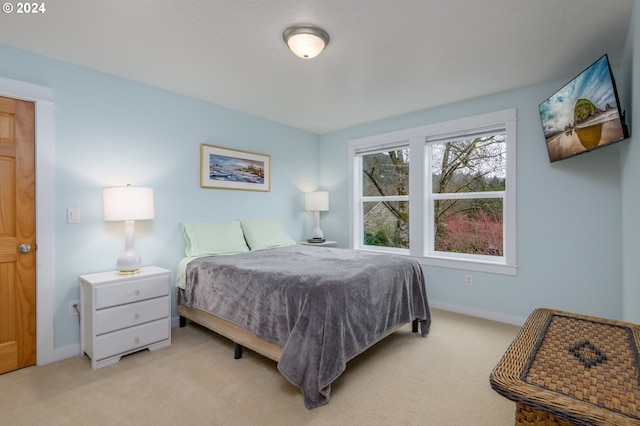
(122, 314)
(326, 243)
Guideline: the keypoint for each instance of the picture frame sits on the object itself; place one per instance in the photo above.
(226, 168)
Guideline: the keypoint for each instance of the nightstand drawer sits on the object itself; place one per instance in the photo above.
(111, 319)
(127, 292)
(130, 338)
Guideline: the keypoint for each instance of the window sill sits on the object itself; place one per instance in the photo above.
(467, 265)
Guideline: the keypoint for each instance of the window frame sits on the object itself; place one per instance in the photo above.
(420, 199)
(365, 198)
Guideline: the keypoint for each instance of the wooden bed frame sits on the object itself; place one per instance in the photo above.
(238, 335)
(244, 338)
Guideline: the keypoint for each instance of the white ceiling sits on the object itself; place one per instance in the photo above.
(385, 57)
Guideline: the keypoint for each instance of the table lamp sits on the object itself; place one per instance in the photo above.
(316, 202)
(128, 204)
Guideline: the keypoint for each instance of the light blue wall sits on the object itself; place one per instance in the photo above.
(568, 218)
(631, 176)
(110, 131)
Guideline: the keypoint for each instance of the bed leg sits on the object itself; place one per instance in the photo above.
(414, 326)
(237, 351)
(183, 322)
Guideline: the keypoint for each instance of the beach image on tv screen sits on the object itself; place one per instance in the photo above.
(583, 115)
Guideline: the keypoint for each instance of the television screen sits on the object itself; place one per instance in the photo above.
(584, 115)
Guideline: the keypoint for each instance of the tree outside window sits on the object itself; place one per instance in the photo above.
(385, 190)
(468, 176)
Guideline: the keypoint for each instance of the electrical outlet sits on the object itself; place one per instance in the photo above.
(72, 310)
(468, 280)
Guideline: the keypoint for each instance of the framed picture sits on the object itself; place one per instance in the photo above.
(225, 168)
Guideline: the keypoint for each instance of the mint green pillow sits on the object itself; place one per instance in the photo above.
(213, 238)
(265, 233)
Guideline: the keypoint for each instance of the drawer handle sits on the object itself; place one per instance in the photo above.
(136, 340)
(136, 292)
(136, 316)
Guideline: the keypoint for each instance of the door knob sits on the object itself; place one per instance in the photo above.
(24, 248)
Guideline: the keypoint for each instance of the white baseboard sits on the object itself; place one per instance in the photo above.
(465, 310)
(60, 354)
(74, 350)
(175, 322)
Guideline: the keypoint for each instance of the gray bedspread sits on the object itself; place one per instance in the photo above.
(322, 305)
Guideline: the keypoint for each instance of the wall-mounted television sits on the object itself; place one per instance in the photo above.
(584, 115)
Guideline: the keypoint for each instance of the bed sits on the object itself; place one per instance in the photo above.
(310, 309)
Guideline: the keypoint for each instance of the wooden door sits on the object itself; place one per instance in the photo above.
(17, 235)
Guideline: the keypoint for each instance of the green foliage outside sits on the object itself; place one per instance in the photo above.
(379, 239)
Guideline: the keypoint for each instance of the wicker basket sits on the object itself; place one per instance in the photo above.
(568, 369)
(527, 416)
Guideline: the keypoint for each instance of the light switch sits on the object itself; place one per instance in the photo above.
(73, 215)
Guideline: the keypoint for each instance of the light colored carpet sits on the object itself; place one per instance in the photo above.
(442, 379)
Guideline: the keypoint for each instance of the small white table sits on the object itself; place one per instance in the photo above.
(326, 243)
(122, 314)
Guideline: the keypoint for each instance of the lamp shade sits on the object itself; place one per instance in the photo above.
(127, 203)
(316, 201)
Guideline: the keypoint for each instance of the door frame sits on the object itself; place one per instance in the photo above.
(44, 147)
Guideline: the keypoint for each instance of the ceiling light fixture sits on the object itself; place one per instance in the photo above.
(306, 41)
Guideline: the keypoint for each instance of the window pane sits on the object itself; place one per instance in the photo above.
(469, 165)
(471, 226)
(385, 173)
(386, 224)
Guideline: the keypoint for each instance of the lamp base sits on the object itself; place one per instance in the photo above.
(129, 262)
(316, 240)
(317, 233)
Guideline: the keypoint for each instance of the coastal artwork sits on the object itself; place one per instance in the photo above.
(224, 168)
(583, 115)
(233, 169)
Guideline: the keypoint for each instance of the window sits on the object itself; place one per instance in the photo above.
(467, 192)
(444, 193)
(385, 198)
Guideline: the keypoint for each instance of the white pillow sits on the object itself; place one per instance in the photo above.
(265, 233)
(213, 238)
